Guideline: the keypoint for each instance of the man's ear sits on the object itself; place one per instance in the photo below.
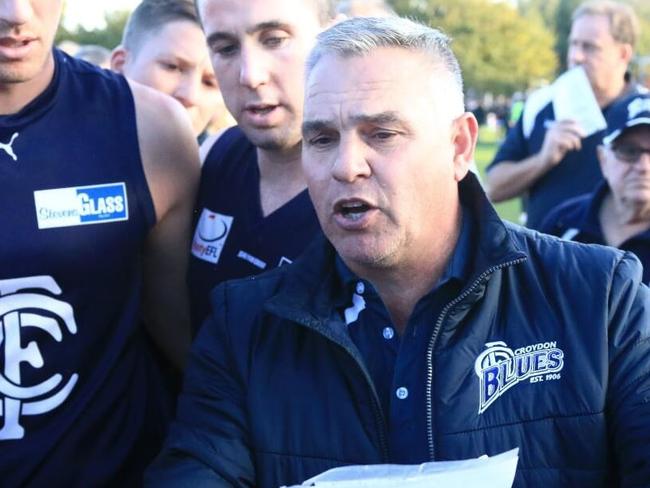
(465, 135)
(626, 52)
(118, 59)
(602, 159)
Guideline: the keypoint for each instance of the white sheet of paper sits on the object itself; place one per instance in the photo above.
(484, 472)
(574, 99)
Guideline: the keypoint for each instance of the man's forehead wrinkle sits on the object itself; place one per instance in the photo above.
(343, 95)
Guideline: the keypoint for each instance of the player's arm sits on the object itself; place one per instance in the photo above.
(509, 179)
(170, 159)
(209, 442)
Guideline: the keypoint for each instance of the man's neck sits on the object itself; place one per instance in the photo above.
(281, 177)
(606, 98)
(16, 96)
(402, 286)
(620, 221)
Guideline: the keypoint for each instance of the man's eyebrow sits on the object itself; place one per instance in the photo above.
(315, 125)
(262, 26)
(382, 118)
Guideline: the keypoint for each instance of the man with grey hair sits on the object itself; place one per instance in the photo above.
(548, 161)
(423, 327)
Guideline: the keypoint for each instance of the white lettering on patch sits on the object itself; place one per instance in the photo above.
(210, 235)
(499, 368)
(82, 205)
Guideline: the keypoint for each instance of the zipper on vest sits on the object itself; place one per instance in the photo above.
(432, 343)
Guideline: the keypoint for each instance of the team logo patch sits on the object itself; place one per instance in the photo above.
(8, 147)
(25, 305)
(637, 106)
(210, 235)
(81, 205)
(499, 368)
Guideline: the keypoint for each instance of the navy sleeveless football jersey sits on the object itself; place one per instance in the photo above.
(232, 238)
(81, 403)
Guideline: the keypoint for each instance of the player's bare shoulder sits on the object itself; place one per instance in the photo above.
(168, 148)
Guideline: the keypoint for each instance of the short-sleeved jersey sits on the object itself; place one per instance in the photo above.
(80, 401)
(232, 238)
(576, 174)
(578, 220)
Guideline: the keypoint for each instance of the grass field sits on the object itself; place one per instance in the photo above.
(488, 142)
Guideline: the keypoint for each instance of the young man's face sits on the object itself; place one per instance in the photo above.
(258, 50)
(27, 29)
(174, 60)
(628, 176)
(592, 46)
(381, 155)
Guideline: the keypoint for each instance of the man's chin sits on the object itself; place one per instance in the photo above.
(270, 139)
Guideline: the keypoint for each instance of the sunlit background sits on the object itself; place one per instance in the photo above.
(89, 14)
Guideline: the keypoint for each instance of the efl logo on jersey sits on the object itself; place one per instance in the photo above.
(210, 235)
(82, 205)
(499, 368)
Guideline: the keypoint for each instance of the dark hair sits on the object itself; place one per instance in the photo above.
(152, 15)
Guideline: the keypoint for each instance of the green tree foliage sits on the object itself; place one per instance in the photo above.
(500, 50)
(109, 37)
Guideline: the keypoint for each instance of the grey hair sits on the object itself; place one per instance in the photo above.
(623, 22)
(360, 36)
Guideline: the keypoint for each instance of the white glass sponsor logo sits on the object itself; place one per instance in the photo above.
(210, 235)
(23, 305)
(82, 205)
(499, 368)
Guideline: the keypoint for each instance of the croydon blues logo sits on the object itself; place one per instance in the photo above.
(499, 368)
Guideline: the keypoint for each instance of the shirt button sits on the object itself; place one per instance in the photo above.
(360, 288)
(388, 333)
(402, 393)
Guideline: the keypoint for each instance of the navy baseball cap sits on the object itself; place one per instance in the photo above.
(629, 112)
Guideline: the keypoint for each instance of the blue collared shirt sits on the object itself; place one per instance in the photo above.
(397, 365)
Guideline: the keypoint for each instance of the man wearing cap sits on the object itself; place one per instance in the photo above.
(617, 213)
(548, 161)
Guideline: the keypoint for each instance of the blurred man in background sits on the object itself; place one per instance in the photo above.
(617, 213)
(548, 161)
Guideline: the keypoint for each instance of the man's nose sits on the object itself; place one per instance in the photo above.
(351, 160)
(15, 12)
(187, 91)
(253, 70)
(576, 55)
